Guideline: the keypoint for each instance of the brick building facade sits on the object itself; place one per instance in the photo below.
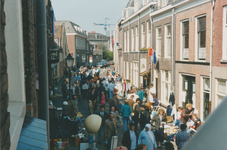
(219, 53)
(4, 114)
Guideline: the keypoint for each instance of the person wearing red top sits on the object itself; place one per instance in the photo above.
(177, 122)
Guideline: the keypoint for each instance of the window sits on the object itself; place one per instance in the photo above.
(221, 90)
(205, 108)
(185, 39)
(128, 41)
(158, 41)
(167, 41)
(224, 49)
(132, 40)
(135, 75)
(83, 58)
(148, 34)
(137, 39)
(143, 35)
(201, 38)
(124, 41)
(166, 85)
(127, 70)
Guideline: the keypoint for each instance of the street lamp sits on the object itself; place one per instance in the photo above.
(69, 60)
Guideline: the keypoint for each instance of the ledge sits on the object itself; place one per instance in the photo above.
(223, 61)
(17, 113)
(193, 62)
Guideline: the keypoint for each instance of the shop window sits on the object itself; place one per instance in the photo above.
(221, 90)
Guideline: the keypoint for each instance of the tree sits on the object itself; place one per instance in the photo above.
(107, 55)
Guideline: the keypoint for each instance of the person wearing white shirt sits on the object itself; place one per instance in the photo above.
(152, 90)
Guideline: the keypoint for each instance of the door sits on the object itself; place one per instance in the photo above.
(206, 105)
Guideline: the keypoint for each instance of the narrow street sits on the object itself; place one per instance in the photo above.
(83, 108)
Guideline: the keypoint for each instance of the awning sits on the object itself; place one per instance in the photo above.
(33, 134)
(145, 73)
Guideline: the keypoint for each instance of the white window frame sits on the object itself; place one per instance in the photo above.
(183, 51)
(132, 40)
(163, 85)
(168, 37)
(143, 35)
(148, 34)
(137, 39)
(217, 94)
(135, 76)
(197, 49)
(224, 43)
(125, 40)
(158, 39)
(202, 95)
(127, 70)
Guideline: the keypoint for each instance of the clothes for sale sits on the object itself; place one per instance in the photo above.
(172, 98)
(152, 90)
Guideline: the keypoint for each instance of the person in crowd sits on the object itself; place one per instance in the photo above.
(104, 115)
(105, 85)
(125, 88)
(78, 92)
(159, 126)
(144, 117)
(93, 97)
(152, 90)
(136, 112)
(147, 137)
(84, 89)
(111, 87)
(110, 129)
(103, 101)
(126, 112)
(64, 89)
(131, 102)
(155, 101)
(114, 102)
(177, 122)
(101, 90)
(182, 136)
(187, 113)
(140, 94)
(168, 146)
(198, 121)
(130, 138)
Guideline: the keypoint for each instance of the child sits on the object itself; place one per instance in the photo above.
(103, 101)
(177, 122)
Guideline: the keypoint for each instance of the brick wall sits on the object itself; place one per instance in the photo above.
(4, 114)
(218, 33)
(30, 55)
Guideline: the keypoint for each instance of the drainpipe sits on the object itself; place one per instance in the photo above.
(122, 42)
(139, 50)
(151, 20)
(43, 64)
(128, 50)
(211, 50)
(173, 49)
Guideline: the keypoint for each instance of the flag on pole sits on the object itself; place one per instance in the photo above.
(150, 51)
(154, 58)
(112, 41)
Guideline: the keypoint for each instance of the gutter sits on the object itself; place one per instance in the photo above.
(138, 50)
(211, 48)
(139, 11)
(173, 49)
(151, 20)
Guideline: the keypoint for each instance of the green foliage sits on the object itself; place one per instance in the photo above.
(107, 55)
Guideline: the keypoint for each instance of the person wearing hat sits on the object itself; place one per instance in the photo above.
(130, 138)
(147, 137)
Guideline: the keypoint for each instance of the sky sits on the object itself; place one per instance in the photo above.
(87, 12)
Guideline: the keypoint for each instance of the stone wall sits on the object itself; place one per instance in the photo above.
(4, 114)
(30, 55)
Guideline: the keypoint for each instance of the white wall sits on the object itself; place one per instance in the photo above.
(15, 58)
